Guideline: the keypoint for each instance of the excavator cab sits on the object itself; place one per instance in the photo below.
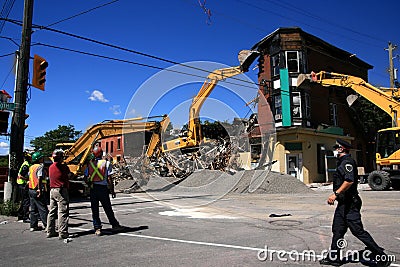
(387, 142)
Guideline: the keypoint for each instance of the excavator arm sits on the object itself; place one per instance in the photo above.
(194, 135)
(77, 154)
(387, 100)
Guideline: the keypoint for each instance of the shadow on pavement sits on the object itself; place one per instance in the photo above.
(109, 231)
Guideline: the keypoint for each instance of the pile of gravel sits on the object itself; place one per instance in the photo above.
(218, 182)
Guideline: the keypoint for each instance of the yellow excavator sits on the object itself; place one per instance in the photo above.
(190, 141)
(387, 171)
(194, 134)
(77, 153)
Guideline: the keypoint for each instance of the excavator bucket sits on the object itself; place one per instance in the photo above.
(304, 80)
(246, 58)
(351, 99)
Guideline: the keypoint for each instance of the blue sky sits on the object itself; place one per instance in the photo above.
(82, 90)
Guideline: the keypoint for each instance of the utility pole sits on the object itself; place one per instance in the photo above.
(20, 96)
(390, 48)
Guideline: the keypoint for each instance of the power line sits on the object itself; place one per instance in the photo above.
(83, 12)
(5, 12)
(122, 48)
(301, 22)
(319, 18)
(139, 64)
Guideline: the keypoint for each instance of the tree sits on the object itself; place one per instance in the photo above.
(48, 141)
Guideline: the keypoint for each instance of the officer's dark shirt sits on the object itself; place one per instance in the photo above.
(346, 170)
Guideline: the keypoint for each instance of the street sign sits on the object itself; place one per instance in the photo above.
(7, 106)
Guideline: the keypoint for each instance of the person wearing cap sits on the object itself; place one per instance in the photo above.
(59, 175)
(347, 214)
(99, 177)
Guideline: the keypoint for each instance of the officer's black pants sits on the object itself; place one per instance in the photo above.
(348, 216)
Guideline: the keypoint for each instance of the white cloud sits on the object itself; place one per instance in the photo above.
(131, 112)
(4, 145)
(116, 109)
(96, 95)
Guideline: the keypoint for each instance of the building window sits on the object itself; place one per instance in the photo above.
(278, 107)
(292, 61)
(333, 114)
(275, 65)
(119, 144)
(106, 147)
(296, 108)
(112, 147)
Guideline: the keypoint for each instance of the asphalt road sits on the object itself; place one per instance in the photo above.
(203, 230)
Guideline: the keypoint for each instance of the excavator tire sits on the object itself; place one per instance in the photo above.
(379, 180)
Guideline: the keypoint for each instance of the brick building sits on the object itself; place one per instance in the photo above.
(308, 120)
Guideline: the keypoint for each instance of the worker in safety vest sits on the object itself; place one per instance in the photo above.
(37, 186)
(23, 192)
(99, 176)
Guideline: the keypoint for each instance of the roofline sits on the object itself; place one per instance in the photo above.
(309, 36)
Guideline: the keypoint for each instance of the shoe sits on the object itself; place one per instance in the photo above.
(37, 228)
(327, 261)
(118, 228)
(26, 220)
(62, 237)
(97, 232)
(52, 234)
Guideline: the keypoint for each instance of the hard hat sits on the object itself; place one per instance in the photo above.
(58, 153)
(97, 152)
(36, 156)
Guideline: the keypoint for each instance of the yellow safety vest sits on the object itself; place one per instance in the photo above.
(19, 180)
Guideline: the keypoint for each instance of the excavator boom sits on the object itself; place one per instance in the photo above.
(387, 100)
(77, 154)
(194, 137)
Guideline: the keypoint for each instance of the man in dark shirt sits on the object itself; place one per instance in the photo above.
(347, 214)
(59, 175)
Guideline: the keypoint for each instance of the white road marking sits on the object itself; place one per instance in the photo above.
(195, 214)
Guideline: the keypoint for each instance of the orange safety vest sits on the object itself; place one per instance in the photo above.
(97, 170)
(33, 178)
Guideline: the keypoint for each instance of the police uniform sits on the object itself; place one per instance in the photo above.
(347, 214)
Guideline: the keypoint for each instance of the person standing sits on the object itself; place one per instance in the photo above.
(59, 175)
(347, 214)
(23, 190)
(99, 177)
(37, 186)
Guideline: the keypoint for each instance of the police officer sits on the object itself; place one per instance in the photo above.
(347, 213)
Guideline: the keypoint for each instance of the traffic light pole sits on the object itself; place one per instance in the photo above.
(20, 96)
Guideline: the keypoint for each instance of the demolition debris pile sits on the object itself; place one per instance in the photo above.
(218, 182)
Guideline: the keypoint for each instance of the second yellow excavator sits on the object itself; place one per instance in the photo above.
(387, 171)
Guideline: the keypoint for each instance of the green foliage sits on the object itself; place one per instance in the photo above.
(4, 161)
(9, 208)
(371, 117)
(48, 141)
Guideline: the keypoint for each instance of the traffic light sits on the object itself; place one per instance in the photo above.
(4, 121)
(39, 72)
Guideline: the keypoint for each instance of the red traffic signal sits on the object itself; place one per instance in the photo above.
(39, 72)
